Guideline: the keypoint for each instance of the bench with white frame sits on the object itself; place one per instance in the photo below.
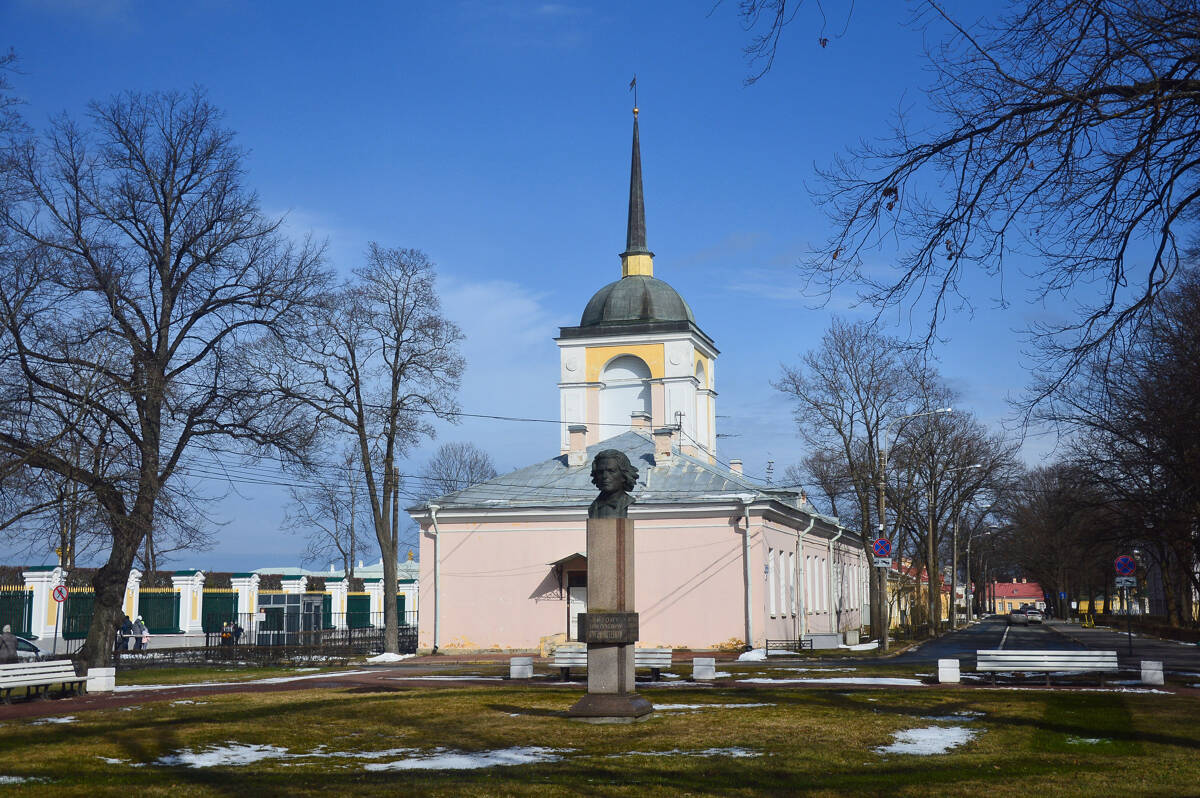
(574, 655)
(38, 677)
(1046, 661)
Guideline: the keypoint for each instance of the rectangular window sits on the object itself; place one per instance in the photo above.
(792, 581)
(771, 581)
(824, 585)
(807, 576)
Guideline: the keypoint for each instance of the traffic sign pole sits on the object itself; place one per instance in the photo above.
(59, 594)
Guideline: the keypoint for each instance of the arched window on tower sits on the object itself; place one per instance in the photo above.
(625, 390)
(702, 411)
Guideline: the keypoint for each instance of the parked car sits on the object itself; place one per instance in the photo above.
(1034, 615)
(1018, 616)
(28, 652)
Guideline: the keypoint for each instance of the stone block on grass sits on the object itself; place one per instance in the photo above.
(704, 669)
(520, 668)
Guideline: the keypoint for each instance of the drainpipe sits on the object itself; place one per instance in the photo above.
(829, 584)
(745, 499)
(437, 578)
(804, 575)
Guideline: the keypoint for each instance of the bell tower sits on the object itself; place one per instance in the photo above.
(638, 359)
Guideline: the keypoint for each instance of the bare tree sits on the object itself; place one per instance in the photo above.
(844, 393)
(376, 363)
(333, 515)
(949, 463)
(1138, 443)
(1067, 142)
(454, 466)
(136, 264)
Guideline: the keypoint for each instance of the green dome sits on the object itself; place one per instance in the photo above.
(635, 298)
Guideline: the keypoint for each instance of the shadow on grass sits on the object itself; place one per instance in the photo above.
(530, 711)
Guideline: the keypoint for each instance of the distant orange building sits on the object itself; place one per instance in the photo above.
(1009, 596)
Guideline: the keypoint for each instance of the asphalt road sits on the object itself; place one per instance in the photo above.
(991, 633)
(995, 633)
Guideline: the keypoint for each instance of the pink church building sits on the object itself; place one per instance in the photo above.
(720, 559)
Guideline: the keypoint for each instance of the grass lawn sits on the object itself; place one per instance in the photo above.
(408, 739)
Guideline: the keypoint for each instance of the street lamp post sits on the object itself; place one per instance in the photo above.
(881, 502)
(954, 555)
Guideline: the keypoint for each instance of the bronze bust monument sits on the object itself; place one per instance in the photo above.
(615, 476)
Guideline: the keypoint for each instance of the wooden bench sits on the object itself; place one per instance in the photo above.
(574, 655)
(39, 676)
(1048, 661)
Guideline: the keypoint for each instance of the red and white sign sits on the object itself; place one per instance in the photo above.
(59, 593)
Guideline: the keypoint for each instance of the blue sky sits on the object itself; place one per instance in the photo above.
(495, 137)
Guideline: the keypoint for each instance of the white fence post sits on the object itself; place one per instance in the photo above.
(338, 587)
(190, 585)
(43, 579)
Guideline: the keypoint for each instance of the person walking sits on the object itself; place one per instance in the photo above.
(8, 646)
(124, 632)
(141, 637)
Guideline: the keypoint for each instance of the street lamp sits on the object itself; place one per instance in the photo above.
(954, 555)
(881, 501)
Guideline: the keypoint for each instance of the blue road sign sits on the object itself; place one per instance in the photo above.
(882, 547)
(1125, 565)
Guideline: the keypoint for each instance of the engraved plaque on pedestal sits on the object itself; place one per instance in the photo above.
(608, 627)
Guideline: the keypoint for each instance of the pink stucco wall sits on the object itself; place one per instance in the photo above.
(498, 589)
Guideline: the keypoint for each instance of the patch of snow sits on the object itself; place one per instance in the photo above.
(818, 669)
(670, 676)
(1091, 689)
(229, 754)
(707, 706)
(878, 680)
(928, 740)
(22, 780)
(735, 753)
(1087, 740)
(441, 759)
(721, 675)
(874, 644)
(651, 685)
(389, 657)
(62, 719)
(755, 655)
(133, 688)
(434, 678)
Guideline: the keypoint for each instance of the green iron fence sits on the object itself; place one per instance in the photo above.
(16, 608)
(77, 613)
(159, 608)
(219, 606)
(358, 610)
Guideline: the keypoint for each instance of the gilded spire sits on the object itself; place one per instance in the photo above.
(636, 259)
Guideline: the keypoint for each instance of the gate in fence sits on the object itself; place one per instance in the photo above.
(159, 608)
(219, 605)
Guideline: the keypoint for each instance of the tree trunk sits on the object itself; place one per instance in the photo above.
(110, 582)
